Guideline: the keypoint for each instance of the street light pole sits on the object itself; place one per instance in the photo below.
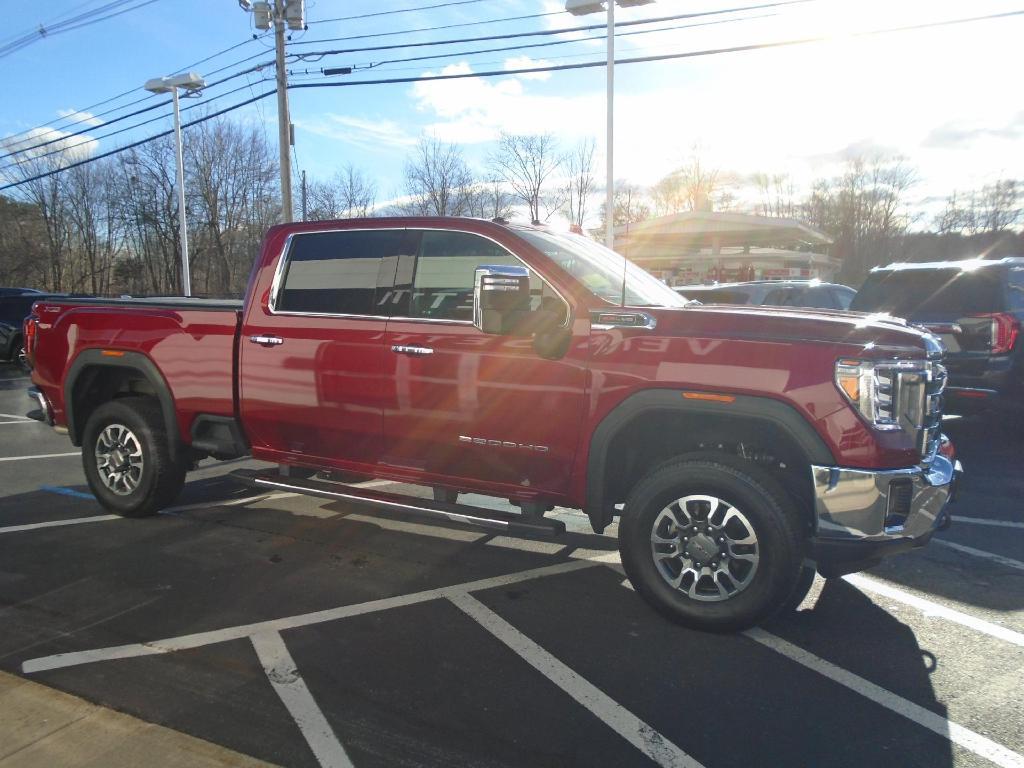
(583, 8)
(609, 198)
(190, 81)
(186, 275)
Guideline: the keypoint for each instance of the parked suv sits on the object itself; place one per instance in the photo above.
(773, 293)
(976, 308)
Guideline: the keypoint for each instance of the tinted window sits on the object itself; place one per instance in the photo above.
(442, 287)
(843, 297)
(782, 297)
(338, 272)
(953, 292)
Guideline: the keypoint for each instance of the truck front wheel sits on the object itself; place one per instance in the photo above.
(129, 465)
(711, 543)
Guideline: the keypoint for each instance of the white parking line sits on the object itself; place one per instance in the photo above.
(40, 456)
(929, 608)
(987, 521)
(607, 710)
(14, 416)
(58, 523)
(1009, 562)
(291, 688)
(199, 639)
(944, 727)
(19, 421)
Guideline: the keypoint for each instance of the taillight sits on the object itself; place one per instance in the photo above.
(1005, 329)
(30, 333)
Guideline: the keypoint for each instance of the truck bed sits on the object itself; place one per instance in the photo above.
(191, 342)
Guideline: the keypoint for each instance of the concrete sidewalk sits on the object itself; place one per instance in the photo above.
(41, 726)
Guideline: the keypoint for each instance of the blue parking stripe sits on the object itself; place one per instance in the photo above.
(66, 491)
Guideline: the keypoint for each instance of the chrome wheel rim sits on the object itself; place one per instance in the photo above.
(119, 459)
(705, 547)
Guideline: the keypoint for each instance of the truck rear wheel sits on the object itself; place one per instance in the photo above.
(129, 465)
(711, 543)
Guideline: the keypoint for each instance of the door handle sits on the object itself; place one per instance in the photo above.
(413, 351)
(267, 341)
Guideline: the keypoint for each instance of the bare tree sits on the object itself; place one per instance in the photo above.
(231, 188)
(993, 209)
(630, 205)
(437, 180)
(690, 188)
(527, 164)
(490, 200)
(778, 195)
(864, 210)
(350, 194)
(580, 166)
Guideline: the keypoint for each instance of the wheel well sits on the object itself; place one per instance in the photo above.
(96, 385)
(655, 436)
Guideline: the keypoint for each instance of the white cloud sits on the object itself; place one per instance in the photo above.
(525, 62)
(363, 132)
(77, 116)
(58, 148)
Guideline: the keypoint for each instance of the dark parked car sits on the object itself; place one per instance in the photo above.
(15, 306)
(976, 307)
(773, 293)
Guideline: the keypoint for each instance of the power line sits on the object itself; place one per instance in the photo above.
(138, 143)
(550, 43)
(399, 10)
(526, 70)
(82, 20)
(50, 124)
(89, 139)
(62, 138)
(545, 32)
(435, 28)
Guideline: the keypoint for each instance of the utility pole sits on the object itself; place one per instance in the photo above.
(284, 122)
(303, 195)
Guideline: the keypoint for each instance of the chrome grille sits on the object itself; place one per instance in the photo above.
(909, 397)
(931, 428)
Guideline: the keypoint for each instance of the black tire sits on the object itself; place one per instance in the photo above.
(162, 472)
(765, 509)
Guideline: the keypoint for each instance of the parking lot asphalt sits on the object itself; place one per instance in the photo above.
(306, 632)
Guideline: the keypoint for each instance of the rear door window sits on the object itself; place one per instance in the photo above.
(340, 273)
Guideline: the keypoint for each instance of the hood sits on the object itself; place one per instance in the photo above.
(875, 334)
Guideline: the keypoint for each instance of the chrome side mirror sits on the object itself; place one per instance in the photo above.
(501, 294)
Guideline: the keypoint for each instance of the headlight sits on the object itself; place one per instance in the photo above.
(896, 395)
(870, 388)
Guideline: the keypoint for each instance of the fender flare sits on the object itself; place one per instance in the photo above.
(601, 510)
(134, 361)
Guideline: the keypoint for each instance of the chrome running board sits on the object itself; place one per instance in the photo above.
(515, 525)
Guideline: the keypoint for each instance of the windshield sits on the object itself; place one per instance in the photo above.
(600, 270)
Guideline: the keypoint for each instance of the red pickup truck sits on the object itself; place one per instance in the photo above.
(741, 448)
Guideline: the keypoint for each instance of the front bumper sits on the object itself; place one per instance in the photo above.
(865, 515)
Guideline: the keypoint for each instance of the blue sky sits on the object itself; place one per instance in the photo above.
(947, 99)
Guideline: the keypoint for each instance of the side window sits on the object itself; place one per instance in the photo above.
(779, 297)
(442, 286)
(338, 272)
